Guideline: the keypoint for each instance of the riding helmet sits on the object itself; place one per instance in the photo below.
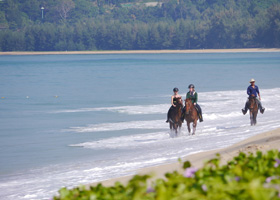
(175, 89)
(191, 86)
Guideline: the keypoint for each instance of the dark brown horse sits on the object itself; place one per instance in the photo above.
(190, 115)
(175, 115)
(253, 107)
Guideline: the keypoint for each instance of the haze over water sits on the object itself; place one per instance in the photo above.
(75, 119)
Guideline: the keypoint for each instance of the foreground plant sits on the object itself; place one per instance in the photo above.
(252, 177)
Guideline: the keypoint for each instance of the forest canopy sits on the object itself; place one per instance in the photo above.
(65, 25)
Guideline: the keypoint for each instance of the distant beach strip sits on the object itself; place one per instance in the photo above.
(143, 51)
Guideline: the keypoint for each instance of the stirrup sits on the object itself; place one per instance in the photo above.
(262, 110)
(243, 111)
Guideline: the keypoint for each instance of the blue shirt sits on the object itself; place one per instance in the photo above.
(254, 91)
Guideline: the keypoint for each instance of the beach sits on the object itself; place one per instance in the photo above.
(70, 120)
(262, 142)
(143, 51)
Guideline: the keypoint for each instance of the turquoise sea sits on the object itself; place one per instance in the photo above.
(68, 120)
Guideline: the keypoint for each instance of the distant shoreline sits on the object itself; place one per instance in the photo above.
(142, 51)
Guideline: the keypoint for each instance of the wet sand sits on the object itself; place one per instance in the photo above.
(261, 142)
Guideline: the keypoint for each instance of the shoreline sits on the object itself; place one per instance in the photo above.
(249, 50)
(260, 142)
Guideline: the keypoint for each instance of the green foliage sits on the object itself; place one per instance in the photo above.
(252, 177)
(112, 25)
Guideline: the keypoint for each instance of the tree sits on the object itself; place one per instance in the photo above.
(64, 7)
(273, 31)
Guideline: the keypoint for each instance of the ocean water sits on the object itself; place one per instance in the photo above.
(68, 120)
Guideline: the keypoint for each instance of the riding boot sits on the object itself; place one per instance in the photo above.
(200, 117)
(244, 111)
(168, 115)
(260, 106)
(199, 112)
(167, 119)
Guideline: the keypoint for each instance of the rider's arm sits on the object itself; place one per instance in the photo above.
(195, 98)
(258, 92)
(249, 91)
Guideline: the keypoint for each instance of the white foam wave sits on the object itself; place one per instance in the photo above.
(130, 110)
(214, 104)
(226, 107)
(214, 116)
(126, 141)
(155, 124)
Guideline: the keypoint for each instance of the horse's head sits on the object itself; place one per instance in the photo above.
(189, 104)
(252, 102)
(178, 102)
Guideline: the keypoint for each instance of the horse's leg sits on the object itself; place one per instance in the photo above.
(175, 128)
(189, 128)
(255, 118)
(194, 127)
(251, 118)
(180, 125)
(170, 126)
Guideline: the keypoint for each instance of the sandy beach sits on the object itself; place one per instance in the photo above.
(261, 142)
(143, 51)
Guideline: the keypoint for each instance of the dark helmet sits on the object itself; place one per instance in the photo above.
(191, 86)
(175, 89)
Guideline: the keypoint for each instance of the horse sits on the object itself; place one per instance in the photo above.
(175, 115)
(191, 115)
(253, 107)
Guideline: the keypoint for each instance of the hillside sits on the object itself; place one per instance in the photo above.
(60, 25)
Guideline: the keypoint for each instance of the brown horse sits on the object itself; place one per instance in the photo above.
(253, 107)
(190, 115)
(175, 114)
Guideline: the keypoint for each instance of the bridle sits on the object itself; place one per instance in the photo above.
(252, 101)
(188, 106)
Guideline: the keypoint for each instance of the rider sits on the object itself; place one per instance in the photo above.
(173, 102)
(253, 91)
(194, 96)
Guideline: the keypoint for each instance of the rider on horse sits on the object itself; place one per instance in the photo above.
(194, 96)
(174, 98)
(253, 91)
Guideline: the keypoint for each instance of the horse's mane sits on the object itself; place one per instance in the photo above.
(252, 97)
(178, 102)
(188, 100)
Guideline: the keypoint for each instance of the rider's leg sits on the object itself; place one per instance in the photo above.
(183, 114)
(199, 112)
(246, 107)
(168, 115)
(260, 105)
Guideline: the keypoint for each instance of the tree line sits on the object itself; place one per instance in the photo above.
(67, 25)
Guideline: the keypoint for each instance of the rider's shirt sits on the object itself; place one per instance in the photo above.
(253, 91)
(175, 98)
(192, 96)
